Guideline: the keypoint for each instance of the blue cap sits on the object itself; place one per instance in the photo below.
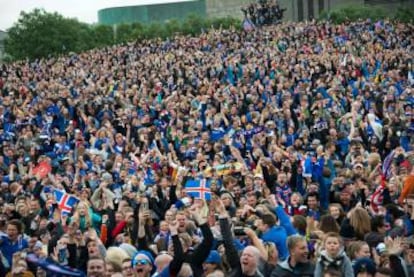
(147, 254)
(213, 258)
(364, 265)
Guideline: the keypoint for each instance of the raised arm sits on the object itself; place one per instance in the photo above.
(178, 260)
(202, 251)
(256, 242)
(231, 251)
(283, 217)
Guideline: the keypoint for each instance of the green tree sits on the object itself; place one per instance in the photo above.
(103, 35)
(39, 34)
(193, 25)
(124, 32)
(172, 27)
(405, 14)
(353, 13)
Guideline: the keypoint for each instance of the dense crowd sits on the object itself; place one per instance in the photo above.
(264, 12)
(303, 132)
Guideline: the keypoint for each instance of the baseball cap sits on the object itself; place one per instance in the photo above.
(213, 258)
(381, 248)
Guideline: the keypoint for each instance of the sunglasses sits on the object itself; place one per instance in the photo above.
(140, 262)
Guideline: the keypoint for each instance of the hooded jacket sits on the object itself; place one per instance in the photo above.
(341, 263)
(279, 234)
(284, 269)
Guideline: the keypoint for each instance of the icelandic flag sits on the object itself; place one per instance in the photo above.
(65, 201)
(199, 189)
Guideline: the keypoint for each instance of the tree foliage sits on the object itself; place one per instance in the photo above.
(353, 13)
(39, 34)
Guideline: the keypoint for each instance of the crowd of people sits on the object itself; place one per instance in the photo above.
(264, 12)
(302, 132)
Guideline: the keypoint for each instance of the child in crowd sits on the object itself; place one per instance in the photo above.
(333, 257)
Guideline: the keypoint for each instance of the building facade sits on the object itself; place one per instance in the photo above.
(151, 13)
(296, 10)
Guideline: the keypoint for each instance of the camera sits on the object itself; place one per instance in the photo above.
(239, 231)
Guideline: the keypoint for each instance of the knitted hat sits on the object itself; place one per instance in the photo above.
(147, 254)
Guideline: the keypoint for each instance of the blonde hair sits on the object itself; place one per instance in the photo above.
(76, 216)
(115, 256)
(374, 159)
(359, 220)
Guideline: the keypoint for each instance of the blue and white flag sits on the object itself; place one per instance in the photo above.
(65, 201)
(198, 189)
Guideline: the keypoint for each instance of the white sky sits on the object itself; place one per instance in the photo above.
(84, 10)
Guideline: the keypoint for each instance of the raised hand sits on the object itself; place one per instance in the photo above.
(220, 208)
(173, 226)
(196, 214)
(272, 200)
(249, 232)
(394, 246)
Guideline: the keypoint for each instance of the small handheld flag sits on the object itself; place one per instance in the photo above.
(65, 201)
(42, 169)
(199, 189)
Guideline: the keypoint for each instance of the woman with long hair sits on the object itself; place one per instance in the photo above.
(337, 212)
(85, 217)
(356, 225)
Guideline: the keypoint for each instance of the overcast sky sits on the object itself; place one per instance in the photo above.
(84, 10)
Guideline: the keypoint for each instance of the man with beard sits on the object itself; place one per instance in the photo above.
(96, 267)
